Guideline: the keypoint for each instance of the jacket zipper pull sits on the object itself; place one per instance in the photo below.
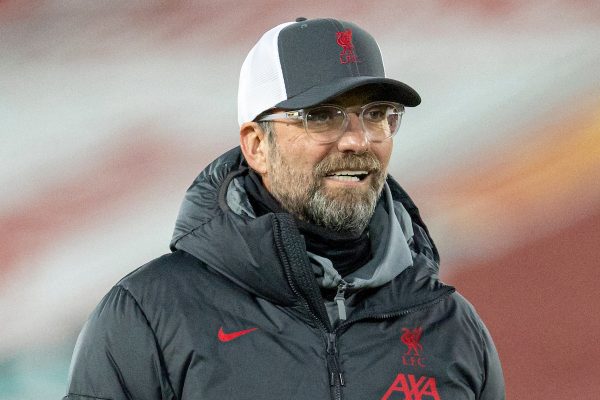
(340, 299)
(335, 368)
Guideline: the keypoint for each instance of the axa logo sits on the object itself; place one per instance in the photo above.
(423, 388)
(344, 39)
(414, 349)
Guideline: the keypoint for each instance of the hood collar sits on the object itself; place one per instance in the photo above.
(217, 225)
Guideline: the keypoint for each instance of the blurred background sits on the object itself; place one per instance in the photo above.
(109, 109)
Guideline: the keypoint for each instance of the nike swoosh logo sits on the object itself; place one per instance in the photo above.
(226, 337)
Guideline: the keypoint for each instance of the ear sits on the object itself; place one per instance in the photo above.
(253, 142)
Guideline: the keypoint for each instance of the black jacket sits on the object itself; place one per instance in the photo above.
(235, 312)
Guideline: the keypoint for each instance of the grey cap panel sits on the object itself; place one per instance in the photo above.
(316, 67)
(311, 56)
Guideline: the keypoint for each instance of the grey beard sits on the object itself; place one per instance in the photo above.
(342, 211)
(352, 215)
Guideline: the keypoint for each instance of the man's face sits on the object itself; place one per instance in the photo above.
(325, 183)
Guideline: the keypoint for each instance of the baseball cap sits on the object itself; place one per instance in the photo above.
(300, 64)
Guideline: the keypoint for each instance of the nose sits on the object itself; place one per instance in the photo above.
(354, 139)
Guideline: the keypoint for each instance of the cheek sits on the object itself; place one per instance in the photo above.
(383, 152)
(304, 158)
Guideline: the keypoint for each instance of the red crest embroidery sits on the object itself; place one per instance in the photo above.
(344, 39)
(411, 340)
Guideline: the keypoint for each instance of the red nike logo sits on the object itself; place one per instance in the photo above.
(226, 337)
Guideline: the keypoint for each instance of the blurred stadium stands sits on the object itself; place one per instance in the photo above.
(108, 110)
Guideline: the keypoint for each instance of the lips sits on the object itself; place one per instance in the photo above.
(348, 175)
(348, 168)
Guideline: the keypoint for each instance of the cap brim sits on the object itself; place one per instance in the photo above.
(395, 90)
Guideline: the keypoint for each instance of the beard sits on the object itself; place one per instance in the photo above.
(304, 195)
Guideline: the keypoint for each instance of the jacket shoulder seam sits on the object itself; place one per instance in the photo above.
(480, 331)
(158, 347)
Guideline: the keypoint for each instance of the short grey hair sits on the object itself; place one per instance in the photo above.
(268, 127)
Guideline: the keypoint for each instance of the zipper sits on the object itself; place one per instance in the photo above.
(288, 274)
(340, 299)
(336, 376)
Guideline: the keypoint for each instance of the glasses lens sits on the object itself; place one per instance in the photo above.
(382, 120)
(325, 122)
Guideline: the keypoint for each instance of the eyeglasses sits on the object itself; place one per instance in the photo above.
(380, 120)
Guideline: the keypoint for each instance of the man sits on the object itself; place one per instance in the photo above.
(299, 270)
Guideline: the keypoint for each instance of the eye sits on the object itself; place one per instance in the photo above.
(323, 115)
(376, 113)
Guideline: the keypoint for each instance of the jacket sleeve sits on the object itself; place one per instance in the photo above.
(116, 356)
(493, 388)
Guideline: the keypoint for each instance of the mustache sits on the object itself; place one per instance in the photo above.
(337, 162)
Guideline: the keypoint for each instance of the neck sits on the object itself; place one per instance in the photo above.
(347, 251)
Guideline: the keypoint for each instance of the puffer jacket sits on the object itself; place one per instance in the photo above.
(235, 312)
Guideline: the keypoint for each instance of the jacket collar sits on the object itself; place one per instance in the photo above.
(217, 225)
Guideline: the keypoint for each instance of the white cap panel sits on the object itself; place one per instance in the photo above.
(261, 83)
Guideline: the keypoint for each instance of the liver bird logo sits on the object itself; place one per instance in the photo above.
(344, 39)
(411, 339)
